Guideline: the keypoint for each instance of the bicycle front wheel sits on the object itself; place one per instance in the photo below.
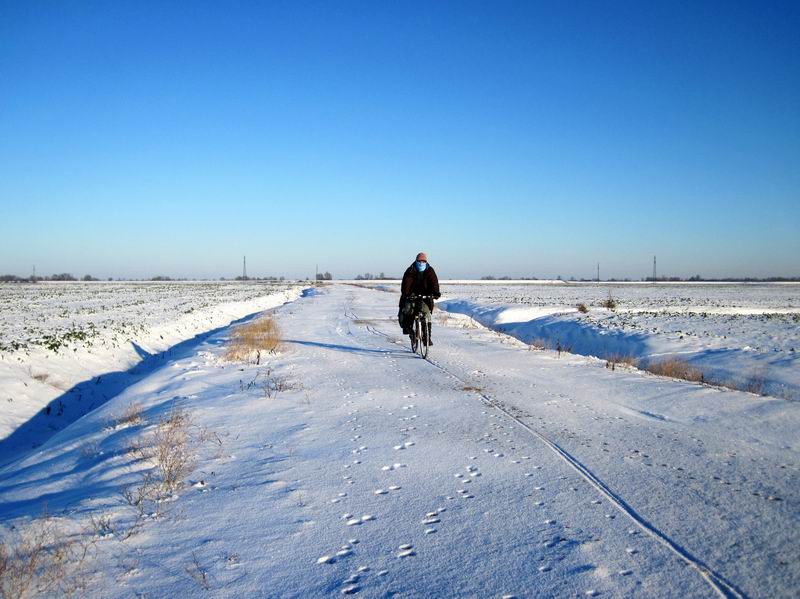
(424, 342)
(415, 336)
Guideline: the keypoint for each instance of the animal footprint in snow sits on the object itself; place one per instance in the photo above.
(350, 590)
(406, 551)
(393, 467)
(395, 488)
(326, 559)
(381, 492)
(625, 572)
(632, 551)
(544, 568)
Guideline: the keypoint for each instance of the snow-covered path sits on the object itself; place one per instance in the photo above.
(382, 474)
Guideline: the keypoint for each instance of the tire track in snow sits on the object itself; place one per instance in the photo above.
(722, 586)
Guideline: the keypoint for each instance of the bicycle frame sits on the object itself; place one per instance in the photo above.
(420, 341)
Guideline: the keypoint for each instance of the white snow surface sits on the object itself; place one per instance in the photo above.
(101, 336)
(742, 335)
(488, 471)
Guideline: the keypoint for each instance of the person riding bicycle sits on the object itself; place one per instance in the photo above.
(419, 279)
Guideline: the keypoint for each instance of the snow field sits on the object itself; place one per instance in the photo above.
(127, 327)
(378, 473)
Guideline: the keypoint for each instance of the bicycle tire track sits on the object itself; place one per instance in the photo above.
(722, 586)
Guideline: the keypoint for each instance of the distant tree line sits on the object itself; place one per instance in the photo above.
(367, 276)
(324, 276)
(64, 276)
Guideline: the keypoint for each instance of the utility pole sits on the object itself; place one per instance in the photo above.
(34, 272)
(244, 268)
(654, 269)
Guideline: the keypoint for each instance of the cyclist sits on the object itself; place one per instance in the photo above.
(419, 279)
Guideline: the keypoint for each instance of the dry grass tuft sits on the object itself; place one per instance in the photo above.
(677, 369)
(610, 303)
(582, 308)
(131, 416)
(613, 360)
(171, 449)
(472, 389)
(39, 559)
(250, 340)
(538, 343)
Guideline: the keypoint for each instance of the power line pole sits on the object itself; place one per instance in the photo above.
(244, 268)
(654, 269)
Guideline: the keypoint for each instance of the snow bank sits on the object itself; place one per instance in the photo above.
(743, 360)
(60, 386)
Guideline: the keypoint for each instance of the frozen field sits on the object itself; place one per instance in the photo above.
(744, 335)
(56, 337)
(346, 465)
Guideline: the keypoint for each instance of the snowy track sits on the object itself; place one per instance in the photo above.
(489, 471)
(716, 581)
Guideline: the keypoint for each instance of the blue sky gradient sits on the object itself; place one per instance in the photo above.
(525, 139)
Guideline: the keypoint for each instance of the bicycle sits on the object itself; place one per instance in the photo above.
(420, 342)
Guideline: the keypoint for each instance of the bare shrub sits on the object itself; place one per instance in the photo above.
(537, 343)
(677, 369)
(582, 308)
(198, 573)
(171, 449)
(39, 558)
(610, 303)
(627, 360)
(131, 416)
(755, 383)
(250, 340)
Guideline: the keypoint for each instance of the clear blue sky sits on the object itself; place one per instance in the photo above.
(142, 138)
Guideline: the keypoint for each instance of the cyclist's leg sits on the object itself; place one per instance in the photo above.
(426, 323)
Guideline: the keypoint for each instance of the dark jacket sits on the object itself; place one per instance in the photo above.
(419, 283)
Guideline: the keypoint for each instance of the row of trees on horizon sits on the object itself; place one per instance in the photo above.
(327, 276)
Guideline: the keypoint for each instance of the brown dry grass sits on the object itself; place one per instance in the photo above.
(251, 340)
(39, 558)
(627, 360)
(677, 369)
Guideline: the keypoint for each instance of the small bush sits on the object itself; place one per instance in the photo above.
(755, 384)
(249, 340)
(582, 308)
(613, 360)
(610, 303)
(38, 559)
(540, 344)
(171, 450)
(131, 416)
(677, 369)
